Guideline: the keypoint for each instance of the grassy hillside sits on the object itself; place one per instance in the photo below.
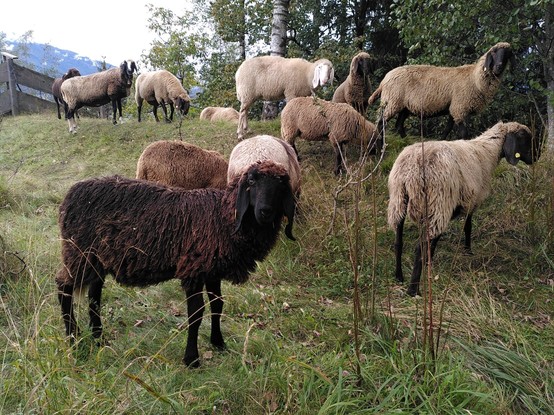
(294, 344)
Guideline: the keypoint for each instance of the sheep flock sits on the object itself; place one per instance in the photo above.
(196, 215)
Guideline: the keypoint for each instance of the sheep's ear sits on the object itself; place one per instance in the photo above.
(315, 80)
(289, 206)
(489, 62)
(243, 202)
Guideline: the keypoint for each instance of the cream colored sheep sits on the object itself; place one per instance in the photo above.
(98, 89)
(315, 119)
(176, 163)
(356, 89)
(273, 78)
(432, 182)
(265, 147)
(220, 114)
(432, 90)
(161, 88)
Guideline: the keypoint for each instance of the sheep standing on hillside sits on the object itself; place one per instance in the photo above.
(98, 89)
(175, 163)
(161, 88)
(315, 119)
(220, 114)
(355, 90)
(435, 181)
(265, 147)
(143, 233)
(272, 78)
(425, 90)
(57, 93)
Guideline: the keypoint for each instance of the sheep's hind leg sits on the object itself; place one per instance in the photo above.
(413, 289)
(216, 305)
(467, 233)
(195, 310)
(94, 295)
(398, 246)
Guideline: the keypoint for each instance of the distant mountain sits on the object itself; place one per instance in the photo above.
(52, 60)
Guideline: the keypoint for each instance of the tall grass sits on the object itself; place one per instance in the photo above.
(293, 347)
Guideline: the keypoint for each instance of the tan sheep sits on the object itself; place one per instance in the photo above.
(220, 114)
(356, 89)
(273, 78)
(176, 163)
(315, 119)
(265, 147)
(98, 89)
(435, 181)
(161, 88)
(432, 90)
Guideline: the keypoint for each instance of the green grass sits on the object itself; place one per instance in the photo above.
(292, 342)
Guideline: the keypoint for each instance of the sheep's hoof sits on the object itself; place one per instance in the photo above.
(192, 362)
(219, 344)
(412, 292)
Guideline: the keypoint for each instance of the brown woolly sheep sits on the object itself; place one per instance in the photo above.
(57, 93)
(315, 119)
(98, 89)
(220, 114)
(272, 78)
(160, 88)
(425, 90)
(433, 182)
(265, 147)
(356, 89)
(175, 163)
(144, 233)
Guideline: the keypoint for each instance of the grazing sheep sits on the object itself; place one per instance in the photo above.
(265, 147)
(315, 119)
(98, 89)
(161, 88)
(355, 90)
(144, 233)
(447, 179)
(175, 163)
(431, 90)
(220, 114)
(56, 89)
(272, 78)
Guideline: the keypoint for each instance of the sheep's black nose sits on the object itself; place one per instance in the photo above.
(266, 212)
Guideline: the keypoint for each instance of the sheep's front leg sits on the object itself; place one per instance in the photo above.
(155, 112)
(339, 159)
(398, 246)
(164, 109)
(114, 110)
(65, 296)
(216, 305)
(195, 310)
(413, 289)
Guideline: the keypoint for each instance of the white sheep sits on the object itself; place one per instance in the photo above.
(176, 163)
(273, 78)
(425, 90)
(315, 119)
(356, 88)
(435, 181)
(265, 147)
(220, 114)
(98, 89)
(161, 88)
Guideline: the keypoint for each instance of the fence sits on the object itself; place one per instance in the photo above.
(14, 100)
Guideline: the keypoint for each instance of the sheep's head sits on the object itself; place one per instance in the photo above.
(182, 103)
(72, 72)
(127, 68)
(264, 190)
(497, 58)
(519, 144)
(323, 73)
(361, 64)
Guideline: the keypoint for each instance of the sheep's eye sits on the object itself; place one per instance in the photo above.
(251, 182)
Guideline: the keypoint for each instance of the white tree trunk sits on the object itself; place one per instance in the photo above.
(278, 46)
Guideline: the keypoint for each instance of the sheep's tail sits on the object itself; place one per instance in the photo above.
(376, 94)
(398, 205)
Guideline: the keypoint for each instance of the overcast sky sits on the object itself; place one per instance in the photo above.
(116, 29)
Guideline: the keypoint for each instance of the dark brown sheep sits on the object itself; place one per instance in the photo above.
(143, 233)
(57, 93)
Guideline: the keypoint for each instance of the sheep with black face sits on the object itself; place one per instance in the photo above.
(143, 233)
(433, 182)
